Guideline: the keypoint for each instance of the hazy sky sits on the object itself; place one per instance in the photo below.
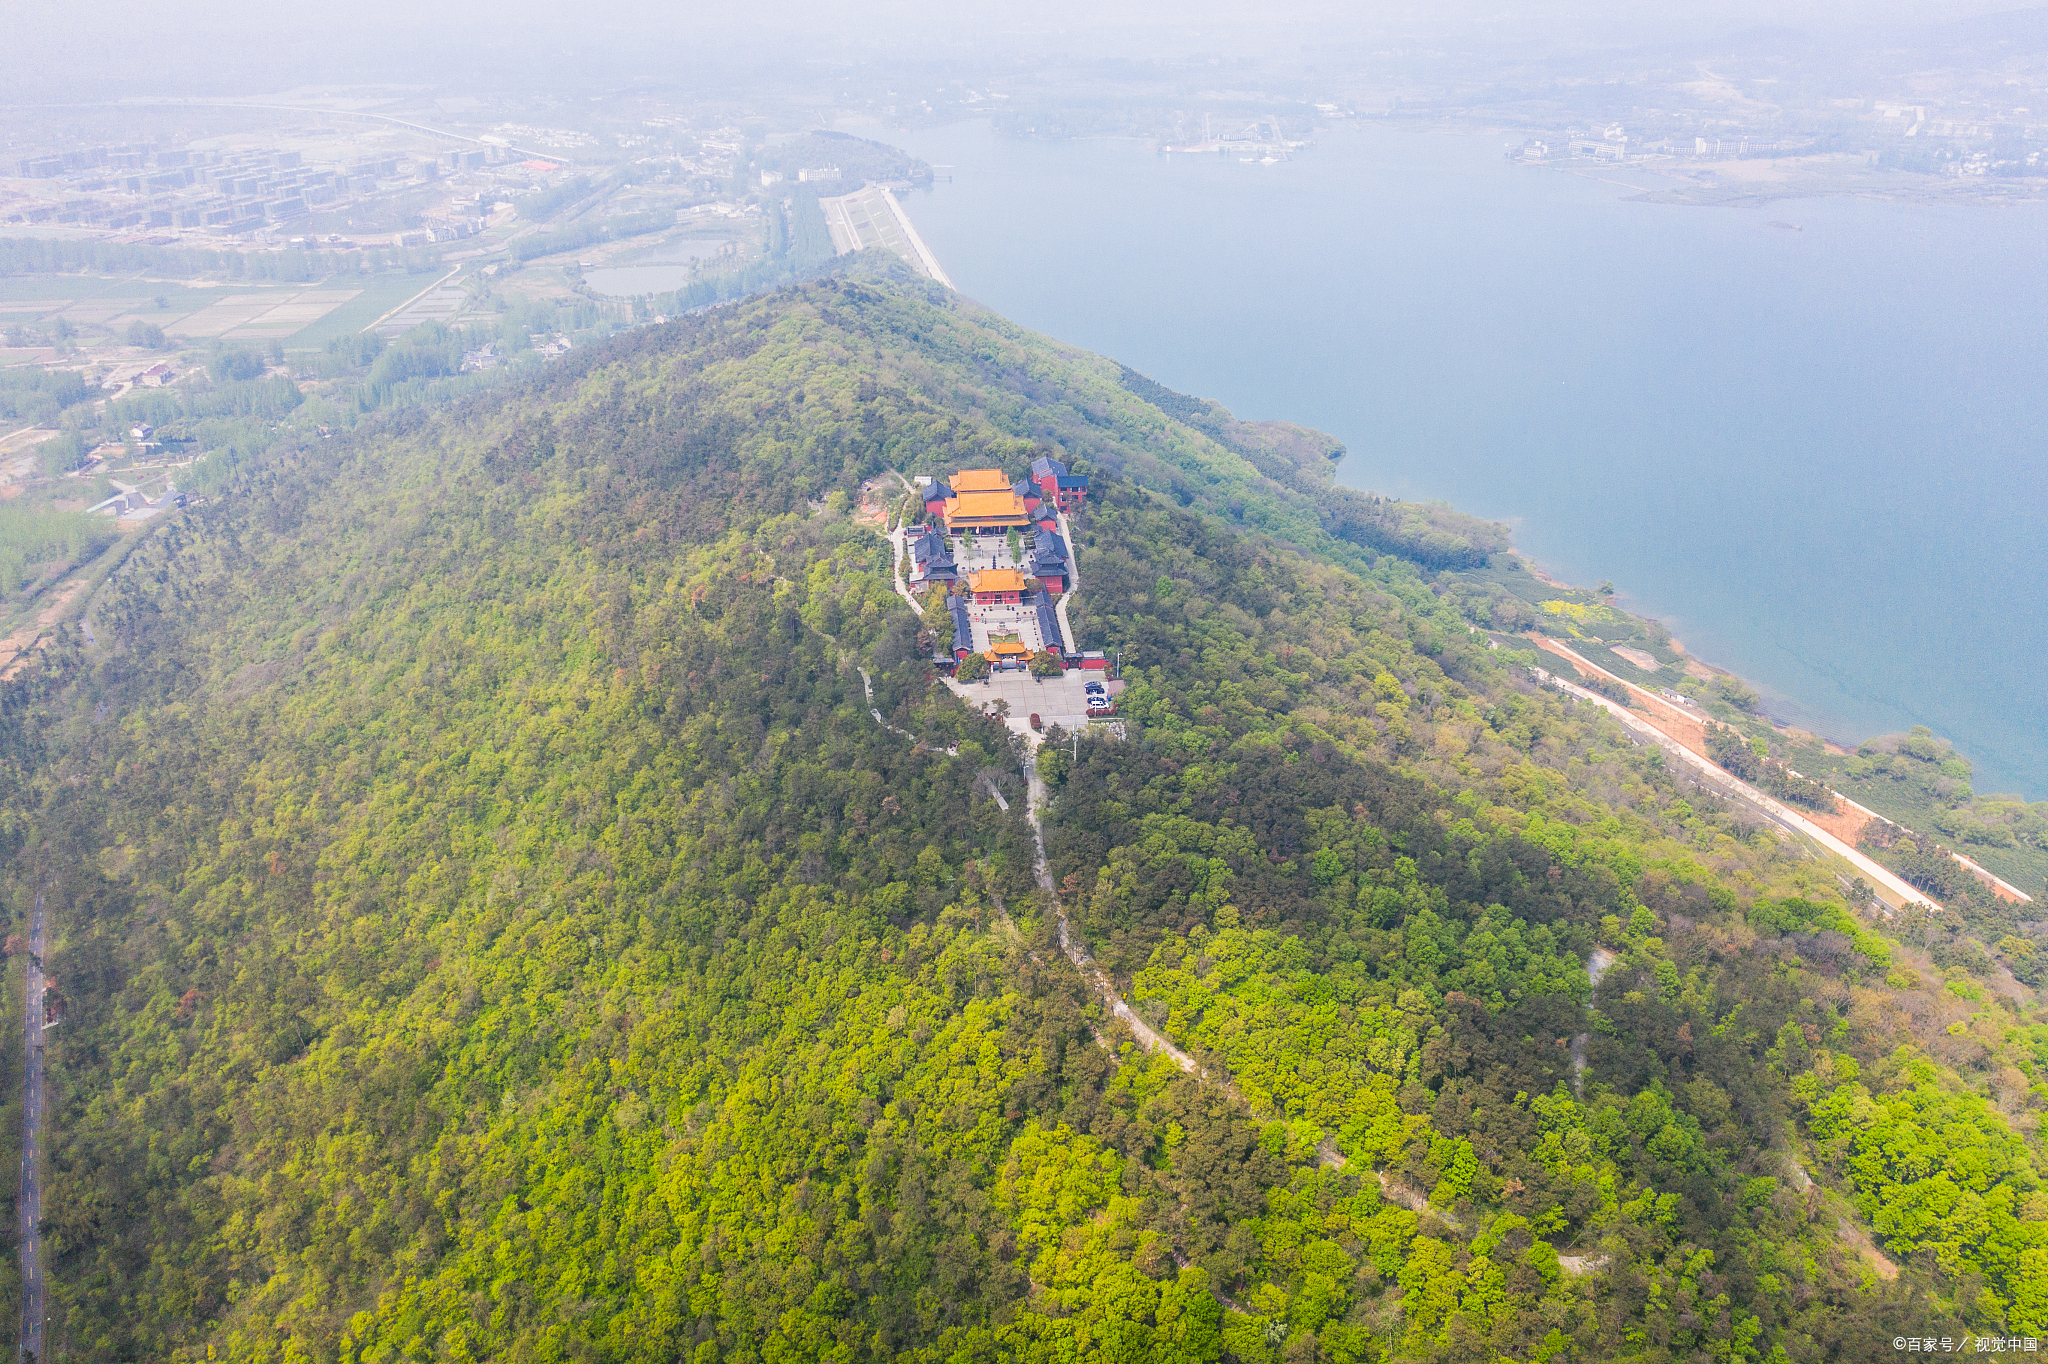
(253, 46)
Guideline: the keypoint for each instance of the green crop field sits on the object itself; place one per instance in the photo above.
(380, 294)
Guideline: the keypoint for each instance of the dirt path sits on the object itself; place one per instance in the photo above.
(24, 436)
(896, 571)
(1854, 1234)
(1077, 951)
(1998, 885)
(1148, 1037)
(1070, 941)
(868, 686)
(1844, 826)
(1850, 819)
(34, 1296)
(1596, 967)
(1847, 822)
(16, 648)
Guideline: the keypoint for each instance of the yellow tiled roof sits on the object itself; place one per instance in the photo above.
(988, 505)
(996, 580)
(979, 481)
(1006, 647)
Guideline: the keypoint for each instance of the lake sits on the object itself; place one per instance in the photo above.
(1816, 453)
(658, 270)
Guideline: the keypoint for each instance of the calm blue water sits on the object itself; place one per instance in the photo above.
(1816, 454)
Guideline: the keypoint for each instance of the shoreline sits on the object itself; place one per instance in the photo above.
(1705, 671)
(1884, 878)
(1681, 718)
(1679, 727)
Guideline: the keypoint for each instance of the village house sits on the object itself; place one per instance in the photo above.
(131, 503)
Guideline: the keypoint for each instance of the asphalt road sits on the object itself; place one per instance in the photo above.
(34, 1308)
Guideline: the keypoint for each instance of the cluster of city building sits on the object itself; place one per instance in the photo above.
(184, 188)
(1614, 143)
(1891, 129)
(131, 188)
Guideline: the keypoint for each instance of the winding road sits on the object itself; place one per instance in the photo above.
(34, 1305)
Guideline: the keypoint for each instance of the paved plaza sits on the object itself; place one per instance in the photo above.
(990, 621)
(1055, 700)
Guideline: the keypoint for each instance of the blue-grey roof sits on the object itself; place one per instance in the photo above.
(1048, 554)
(1049, 624)
(1044, 465)
(1073, 480)
(963, 631)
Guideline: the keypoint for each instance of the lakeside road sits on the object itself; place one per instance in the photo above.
(1894, 890)
(34, 1299)
(872, 216)
(1840, 831)
(925, 258)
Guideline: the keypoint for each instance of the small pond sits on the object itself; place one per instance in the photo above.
(656, 271)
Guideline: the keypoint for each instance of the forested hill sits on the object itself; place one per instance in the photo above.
(492, 926)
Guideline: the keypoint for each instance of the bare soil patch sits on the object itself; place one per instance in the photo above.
(1661, 714)
(1846, 822)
